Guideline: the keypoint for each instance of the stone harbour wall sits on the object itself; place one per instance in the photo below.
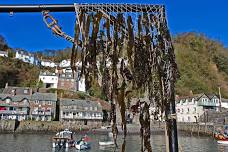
(7, 125)
(43, 126)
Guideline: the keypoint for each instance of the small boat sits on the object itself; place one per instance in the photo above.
(83, 143)
(108, 142)
(224, 142)
(63, 139)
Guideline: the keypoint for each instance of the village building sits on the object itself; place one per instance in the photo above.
(27, 57)
(67, 81)
(191, 108)
(49, 80)
(81, 112)
(47, 63)
(43, 106)
(14, 106)
(64, 63)
(4, 53)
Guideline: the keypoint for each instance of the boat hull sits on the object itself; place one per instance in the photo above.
(82, 147)
(106, 143)
(224, 142)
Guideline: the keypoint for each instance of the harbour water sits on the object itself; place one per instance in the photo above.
(42, 143)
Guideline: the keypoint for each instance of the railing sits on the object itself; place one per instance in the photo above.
(206, 104)
(13, 112)
(41, 113)
(82, 117)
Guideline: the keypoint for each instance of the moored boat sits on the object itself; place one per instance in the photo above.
(83, 143)
(224, 142)
(108, 142)
(63, 139)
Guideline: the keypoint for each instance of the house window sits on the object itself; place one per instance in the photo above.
(188, 110)
(49, 103)
(67, 114)
(85, 122)
(194, 109)
(189, 119)
(25, 91)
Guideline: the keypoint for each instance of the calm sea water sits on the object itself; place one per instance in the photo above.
(42, 143)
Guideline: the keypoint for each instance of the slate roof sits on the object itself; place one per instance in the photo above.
(44, 96)
(4, 52)
(224, 100)
(15, 98)
(19, 90)
(82, 103)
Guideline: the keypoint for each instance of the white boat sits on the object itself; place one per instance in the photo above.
(63, 139)
(106, 143)
(109, 142)
(224, 142)
(81, 145)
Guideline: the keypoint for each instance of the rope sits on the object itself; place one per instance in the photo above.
(52, 24)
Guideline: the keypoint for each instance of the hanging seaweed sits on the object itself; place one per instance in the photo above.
(128, 58)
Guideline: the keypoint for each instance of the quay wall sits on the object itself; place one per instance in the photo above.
(7, 125)
(29, 126)
(198, 129)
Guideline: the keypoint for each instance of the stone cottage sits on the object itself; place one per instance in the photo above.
(81, 112)
(43, 106)
(14, 106)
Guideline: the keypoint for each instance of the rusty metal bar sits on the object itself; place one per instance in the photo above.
(70, 7)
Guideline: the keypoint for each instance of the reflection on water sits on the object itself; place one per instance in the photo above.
(42, 143)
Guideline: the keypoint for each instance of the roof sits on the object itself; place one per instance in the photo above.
(224, 100)
(44, 96)
(104, 104)
(19, 90)
(196, 96)
(3, 52)
(47, 73)
(78, 102)
(15, 98)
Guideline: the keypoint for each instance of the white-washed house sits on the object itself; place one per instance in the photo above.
(27, 57)
(4, 53)
(190, 108)
(47, 63)
(50, 80)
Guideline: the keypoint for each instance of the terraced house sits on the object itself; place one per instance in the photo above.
(81, 112)
(25, 103)
(43, 106)
(191, 108)
(14, 106)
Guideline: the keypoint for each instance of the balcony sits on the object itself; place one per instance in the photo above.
(11, 112)
(83, 117)
(41, 113)
(211, 104)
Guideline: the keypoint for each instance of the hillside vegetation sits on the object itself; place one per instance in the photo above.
(202, 63)
(17, 73)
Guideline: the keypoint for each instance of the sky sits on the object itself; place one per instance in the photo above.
(28, 31)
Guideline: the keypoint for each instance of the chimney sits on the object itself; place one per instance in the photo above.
(6, 85)
(30, 91)
(13, 92)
